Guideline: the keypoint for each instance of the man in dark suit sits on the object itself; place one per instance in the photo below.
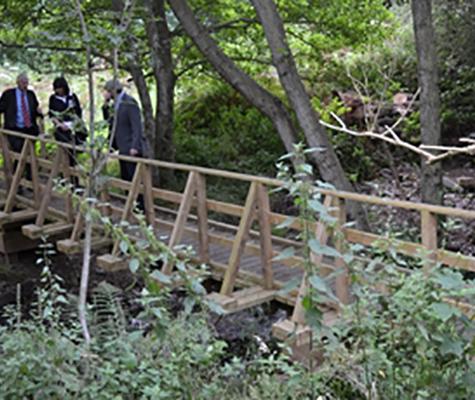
(20, 109)
(127, 131)
(128, 136)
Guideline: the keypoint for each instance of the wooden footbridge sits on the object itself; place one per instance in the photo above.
(243, 256)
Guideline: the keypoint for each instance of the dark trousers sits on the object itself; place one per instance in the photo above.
(16, 144)
(127, 171)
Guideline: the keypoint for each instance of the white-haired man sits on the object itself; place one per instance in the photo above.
(20, 109)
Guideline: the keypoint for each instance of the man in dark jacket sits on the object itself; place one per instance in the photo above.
(128, 136)
(20, 109)
(126, 130)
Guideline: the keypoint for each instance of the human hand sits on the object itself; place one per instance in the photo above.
(133, 152)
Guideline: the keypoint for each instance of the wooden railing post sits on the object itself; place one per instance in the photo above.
(202, 212)
(67, 178)
(129, 203)
(342, 288)
(40, 218)
(183, 211)
(148, 195)
(7, 160)
(265, 236)
(17, 178)
(35, 180)
(239, 241)
(429, 237)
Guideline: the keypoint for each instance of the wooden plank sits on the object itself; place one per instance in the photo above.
(35, 180)
(12, 192)
(68, 246)
(263, 212)
(181, 218)
(34, 231)
(202, 212)
(17, 216)
(408, 205)
(429, 238)
(111, 263)
(67, 178)
(7, 161)
(129, 204)
(342, 283)
(148, 195)
(240, 241)
(47, 192)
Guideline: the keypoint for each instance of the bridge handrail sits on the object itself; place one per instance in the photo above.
(363, 198)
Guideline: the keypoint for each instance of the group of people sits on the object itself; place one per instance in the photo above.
(21, 111)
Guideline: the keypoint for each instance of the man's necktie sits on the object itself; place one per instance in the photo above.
(24, 111)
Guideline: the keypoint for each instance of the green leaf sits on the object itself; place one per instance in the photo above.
(215, 307)
(444, 311)
(451, 281)
(124, 246)
(161, 277)
(288, 221)
(324, 250)
(317, 206)
(289, 286)
(423, 331)
(284, 254)
(134, 265)
(452, 347)
(318, 283)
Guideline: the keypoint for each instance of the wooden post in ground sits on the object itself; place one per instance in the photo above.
(182, 216)
(35, 180)
(342, 284)
(12, 192)
(240, 241)
(40, 219)
(429, 237)
(202, 212)
(7, 160)
(148, 195)
(265, 236)
(129, 203)
(67, 178)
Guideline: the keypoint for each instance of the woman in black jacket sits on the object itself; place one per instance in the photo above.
(66, 113)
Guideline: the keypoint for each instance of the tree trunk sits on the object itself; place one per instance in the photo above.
(159, 40)
(326, 159)
(431, 181)
(264, 101)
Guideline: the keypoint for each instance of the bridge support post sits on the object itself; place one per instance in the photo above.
(263, 212)
(429, 238)
(240, 241)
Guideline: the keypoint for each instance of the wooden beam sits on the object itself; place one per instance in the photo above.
(16, 179)
(129, 204)
(240, 241)
(47, 192)
(263, 213)
(67, 178)
(148, 195)
(202, 213)
(35, 180)
(181, 218)
(429, 237)
(342, 283)
(7, 161)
